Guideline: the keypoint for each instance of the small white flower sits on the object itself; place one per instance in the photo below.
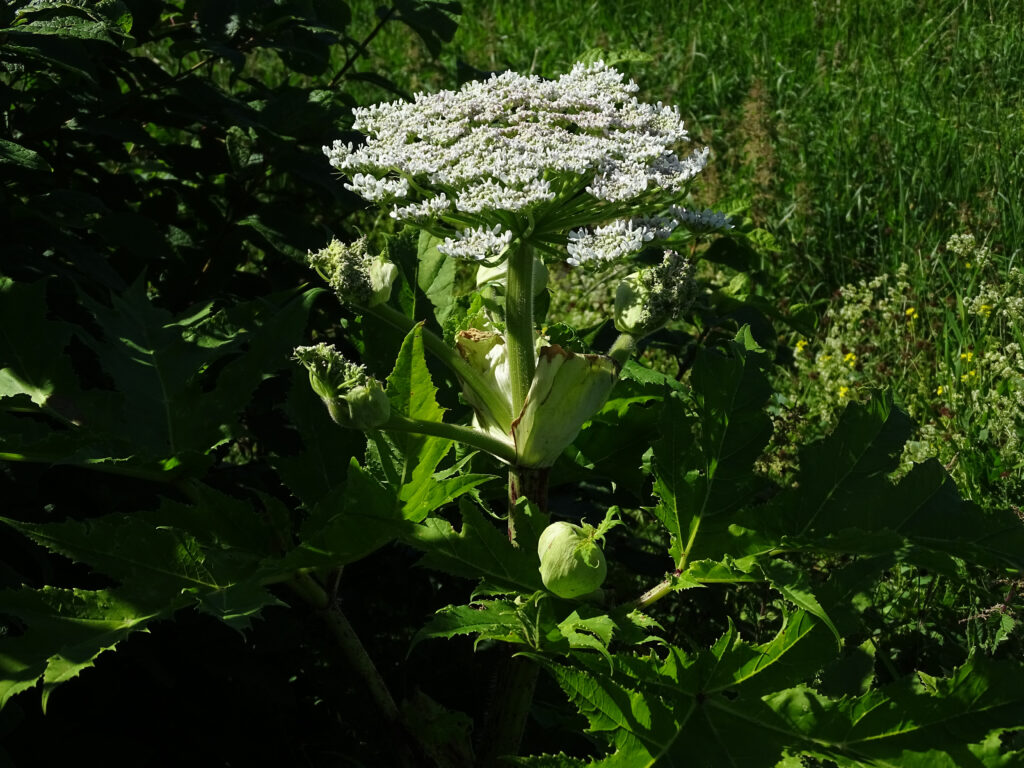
(480, 244)
(702, 221)
(612, 241)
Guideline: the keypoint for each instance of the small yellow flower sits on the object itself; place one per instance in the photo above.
(842, 392)
(801, 345)
(968, 356)
(940, 390)
(967, 264)
(985, 310)
(850, 359)
(911, 313)
(972, 374)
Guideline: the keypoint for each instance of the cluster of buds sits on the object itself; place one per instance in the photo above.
(353, 397)
(355, 275)
(649, 298)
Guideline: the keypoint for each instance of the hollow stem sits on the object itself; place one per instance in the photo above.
(350, 645)
(519, 330)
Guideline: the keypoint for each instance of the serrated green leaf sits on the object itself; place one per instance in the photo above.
(724, 705)
(844, 501)
(478, 550)
(413, 394)
(673, 479)
(12, 154)
(213, 553)
(66, 630)
(348, 524)
(489, 619)
(436, 276)
(703, 462)
(160, 363)
(794, 584)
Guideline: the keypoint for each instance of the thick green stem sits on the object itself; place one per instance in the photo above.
(398, 423)
(525, 483)
(623, 348)
(519, 330)
(654, 594)
(516, 679)
(435, 344)
(506, 717)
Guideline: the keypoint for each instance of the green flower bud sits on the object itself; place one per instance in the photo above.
(571, 561)
(649, 298)
(353, 397)
(357, 276)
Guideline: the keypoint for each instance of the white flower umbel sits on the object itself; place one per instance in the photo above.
(538, 158)
(610, 242)
(515, 168)
(702, 222)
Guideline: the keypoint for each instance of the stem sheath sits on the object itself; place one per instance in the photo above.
(452, 359)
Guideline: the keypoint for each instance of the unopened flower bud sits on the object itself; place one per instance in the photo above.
(571, 561)
(353, 397)
(648, 299)
(357, 276)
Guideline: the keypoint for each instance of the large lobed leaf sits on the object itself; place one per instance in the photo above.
(703, 461)
(723, 707)
(178, 383)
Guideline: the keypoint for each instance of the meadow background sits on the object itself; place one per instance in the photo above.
(880, 144)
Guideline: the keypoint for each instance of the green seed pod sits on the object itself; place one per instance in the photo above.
(571, 562)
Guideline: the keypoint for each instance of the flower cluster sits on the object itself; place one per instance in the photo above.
(648, 299)
(480, 244)
(969, 400)
(354, 273)
(517, 156)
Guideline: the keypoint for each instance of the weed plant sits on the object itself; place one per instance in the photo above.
(786, 583)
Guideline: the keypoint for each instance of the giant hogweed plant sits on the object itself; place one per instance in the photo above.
(506, 176)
